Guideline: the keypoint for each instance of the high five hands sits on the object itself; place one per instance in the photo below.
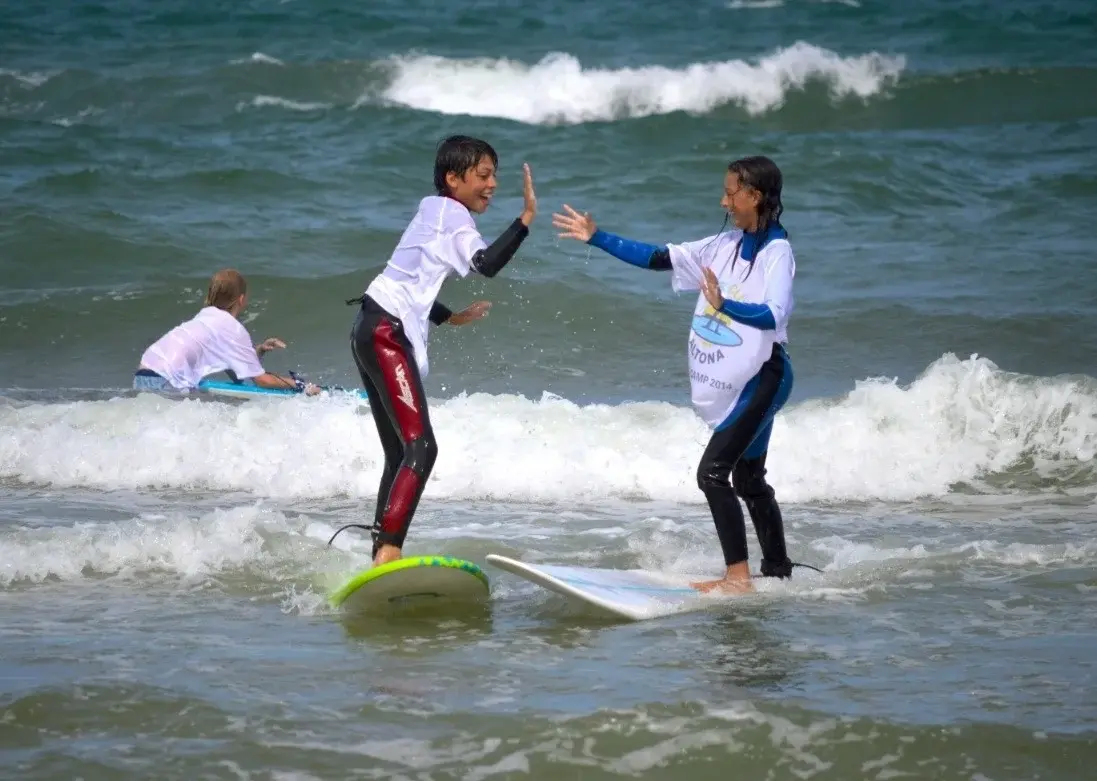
(574, 225)
(581, 226)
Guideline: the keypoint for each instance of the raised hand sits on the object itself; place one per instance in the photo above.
(574, 225)
(529, 208)
(269, 344)
(710, 286)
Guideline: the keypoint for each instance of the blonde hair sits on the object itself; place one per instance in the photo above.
(225, 288)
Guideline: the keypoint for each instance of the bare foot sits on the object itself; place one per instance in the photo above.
(724, 585)
(386, 554)
(735, 581)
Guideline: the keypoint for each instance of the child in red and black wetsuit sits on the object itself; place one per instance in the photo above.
(389, 337)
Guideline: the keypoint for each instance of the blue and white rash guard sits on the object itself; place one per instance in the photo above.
(726, 347)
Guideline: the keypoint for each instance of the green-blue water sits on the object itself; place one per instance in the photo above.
(163, 565)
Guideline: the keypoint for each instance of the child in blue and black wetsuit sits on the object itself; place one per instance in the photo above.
(740, 374)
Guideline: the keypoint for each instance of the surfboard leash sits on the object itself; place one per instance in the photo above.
(806, 566)
(370, 529)
(794, 564)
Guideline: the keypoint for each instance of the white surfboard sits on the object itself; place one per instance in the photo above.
(412, 581)
(633, 594)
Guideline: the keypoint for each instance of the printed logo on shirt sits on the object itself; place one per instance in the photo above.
(715, 328)
(700, 355)
(405, 387)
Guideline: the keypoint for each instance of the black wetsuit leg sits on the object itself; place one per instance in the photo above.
(738, 447)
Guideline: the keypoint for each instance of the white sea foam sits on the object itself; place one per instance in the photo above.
(560, 90)
(960, 421)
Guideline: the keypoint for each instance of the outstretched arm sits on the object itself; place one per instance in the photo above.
(685, 261)
(440, 313)
(582, 227)
(635, 252)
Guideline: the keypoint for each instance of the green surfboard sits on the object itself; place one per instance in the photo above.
(412, 581)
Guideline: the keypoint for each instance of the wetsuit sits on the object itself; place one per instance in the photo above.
(388, 342)
(740, 373)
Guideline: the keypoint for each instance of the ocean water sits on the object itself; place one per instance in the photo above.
(164, 566)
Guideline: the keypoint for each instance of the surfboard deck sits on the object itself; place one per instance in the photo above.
(633, 594)
(245, 391)
(415, 580)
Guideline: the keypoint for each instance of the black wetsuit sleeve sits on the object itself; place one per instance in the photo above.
(439, 313)
(660, 260)
(490, 261)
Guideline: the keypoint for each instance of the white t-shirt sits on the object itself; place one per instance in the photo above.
(440, 240)
(212, 341)
(724, 354)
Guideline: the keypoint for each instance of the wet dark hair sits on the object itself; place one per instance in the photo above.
(761, 174)
(458, 155)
